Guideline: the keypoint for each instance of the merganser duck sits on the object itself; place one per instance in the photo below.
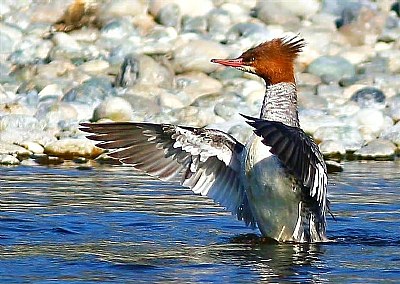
(277, 181)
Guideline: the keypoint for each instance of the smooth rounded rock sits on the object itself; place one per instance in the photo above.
(92, 91)
(334, 66)
(116, 109)
(377, 149)
(196, 55)
(369, 96)
(12, 149)
(350, 137)
(332, 148)
(71, 148)
(33, 147)
(392, 134)
(8, 160)
(169, 15)
(371, 122)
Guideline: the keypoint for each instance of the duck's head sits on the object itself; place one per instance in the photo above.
(272, 60)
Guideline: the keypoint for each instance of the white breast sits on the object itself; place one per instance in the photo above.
(273, 198)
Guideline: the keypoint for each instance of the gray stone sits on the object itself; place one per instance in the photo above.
(116, 109)
(348, 136)
(190, 8)
(392, 134)
(33, 147)
(372, 122)
(31, 50)
(194, 24)
(333, 166)
(11, 149)
(20, 135)
(53, 113)
(8, 160)
(332, 148)
(90, 92)
(195, 55)
(13, 121)
(377, 149)
(169, 15)
(368, 97)
(334, 66)
(394, 107)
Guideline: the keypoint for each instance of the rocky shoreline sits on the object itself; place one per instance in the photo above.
(65, 62)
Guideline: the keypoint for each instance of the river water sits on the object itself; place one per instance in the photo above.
(111, 224)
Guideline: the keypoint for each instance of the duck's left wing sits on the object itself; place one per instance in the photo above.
(299, 153)
(207, 161)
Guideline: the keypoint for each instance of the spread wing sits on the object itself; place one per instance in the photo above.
(299, 153)
(205, 160)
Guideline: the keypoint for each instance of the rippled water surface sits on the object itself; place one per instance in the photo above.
(113, 224)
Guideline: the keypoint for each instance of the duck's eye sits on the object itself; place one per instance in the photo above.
(252, 59)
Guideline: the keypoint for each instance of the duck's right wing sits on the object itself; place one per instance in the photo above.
(207, 161)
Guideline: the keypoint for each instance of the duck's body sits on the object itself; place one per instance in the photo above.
(277, 181)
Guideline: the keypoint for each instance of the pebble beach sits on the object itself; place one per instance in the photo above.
(67, 62)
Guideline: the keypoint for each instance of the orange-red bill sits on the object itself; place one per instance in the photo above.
(238, 62)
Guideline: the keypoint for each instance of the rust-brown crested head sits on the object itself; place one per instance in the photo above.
(272, 60)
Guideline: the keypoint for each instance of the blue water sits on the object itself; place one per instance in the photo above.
(114, 225)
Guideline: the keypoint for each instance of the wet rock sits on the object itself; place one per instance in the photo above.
(33, 147)
(71, 148)
(116, 109)
(377, 149)
(43, 159)
(368, 97)
(333, 166)
(193, 116)
(334, 66)
(308, 99)
(196, 55)
(8, 160)
(11, 149)
(332, 149)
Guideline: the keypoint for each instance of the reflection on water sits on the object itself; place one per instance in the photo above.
(112, 224)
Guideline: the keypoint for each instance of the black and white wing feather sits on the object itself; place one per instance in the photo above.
(299, 153)
(207, 161)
